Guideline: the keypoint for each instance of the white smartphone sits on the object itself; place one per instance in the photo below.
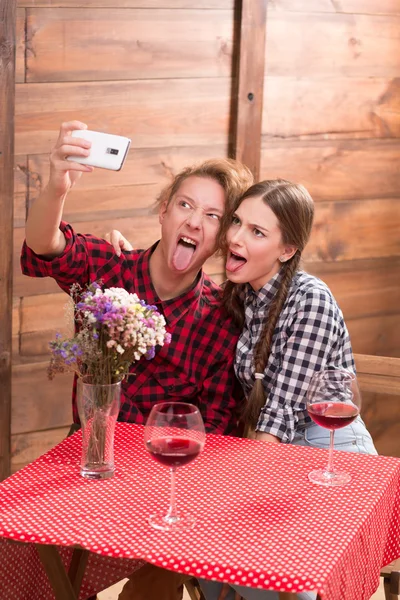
(107, 151)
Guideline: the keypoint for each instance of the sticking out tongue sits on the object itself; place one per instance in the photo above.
(234, 262)
(183, 255)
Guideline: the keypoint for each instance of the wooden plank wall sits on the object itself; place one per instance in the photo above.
(331, 121)
(160, 71)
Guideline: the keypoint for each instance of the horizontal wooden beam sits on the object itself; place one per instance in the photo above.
(378, 374)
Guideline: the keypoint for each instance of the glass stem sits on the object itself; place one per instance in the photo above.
(330, 456)
(172, 515)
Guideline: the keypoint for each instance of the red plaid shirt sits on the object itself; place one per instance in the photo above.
(196, 367)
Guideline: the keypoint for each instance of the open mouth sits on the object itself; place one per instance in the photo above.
(184, 251)
(234, 262)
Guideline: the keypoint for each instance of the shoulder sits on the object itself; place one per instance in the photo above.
(312, 294)
(212, 297)
(211, 292)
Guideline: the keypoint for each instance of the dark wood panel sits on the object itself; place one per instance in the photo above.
(122, 43)
(355, 230)
(331, 108)
(336, 170)
(335, 45)
(338, 6)
(154, 113)
(375, 335)
(132, 191)
(142, 231)
(363, 287)
(20, 46)
(249, 97)
(7, 97)
(26, 447)
(39, 403)
(205, 4)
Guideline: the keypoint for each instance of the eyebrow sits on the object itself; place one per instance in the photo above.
(207, 209)
(253, 224)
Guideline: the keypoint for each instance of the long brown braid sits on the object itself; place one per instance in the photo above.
(294, 209)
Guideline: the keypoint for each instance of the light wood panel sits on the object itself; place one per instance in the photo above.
(363, 288)
(249, 96)
(336, 170)
(339, 6)
(40, 318)
(39, 403)
(331, 108)
(26, 447)
(376, 335)
(20, 190)
(205, 4)
(354, 230)
(333, 45)
(20, 45)
(154, 113)
(63, 45)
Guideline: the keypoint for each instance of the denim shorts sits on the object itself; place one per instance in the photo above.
(353, 438)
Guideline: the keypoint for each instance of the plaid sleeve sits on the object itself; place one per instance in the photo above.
(312, 337)
(80, 262)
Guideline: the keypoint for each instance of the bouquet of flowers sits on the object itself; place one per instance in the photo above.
(114, 329)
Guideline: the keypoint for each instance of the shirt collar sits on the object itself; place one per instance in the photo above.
(174, 308)
(265, 295)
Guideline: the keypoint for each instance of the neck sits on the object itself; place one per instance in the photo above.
(168, 284)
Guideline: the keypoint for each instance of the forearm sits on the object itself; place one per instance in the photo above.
(43, 235)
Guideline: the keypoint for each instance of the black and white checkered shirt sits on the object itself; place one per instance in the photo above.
(310, 335)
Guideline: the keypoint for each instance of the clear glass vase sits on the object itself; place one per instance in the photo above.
(98, 407)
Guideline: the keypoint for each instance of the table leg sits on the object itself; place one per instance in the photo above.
(54, 567)
(77, 568)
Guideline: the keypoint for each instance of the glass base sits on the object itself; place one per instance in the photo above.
(105, 472)
(164, 523)
(330, 479)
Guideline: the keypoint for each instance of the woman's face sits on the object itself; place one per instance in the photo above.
(255, 244)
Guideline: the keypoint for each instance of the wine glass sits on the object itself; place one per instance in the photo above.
(333, 401)
(174, 435)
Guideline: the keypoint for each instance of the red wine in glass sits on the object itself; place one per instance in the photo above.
(174, 451)
(174, 436)
(333, 402)
(333, 415)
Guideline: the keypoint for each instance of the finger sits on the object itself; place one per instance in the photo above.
(70, 165)
(69, 126)
(107, 237)
(114, 240)
(124, 244)
(69, 150)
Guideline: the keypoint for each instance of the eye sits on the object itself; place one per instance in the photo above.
(258, 233)
(214, 216)
(235, 220)
(184, 204)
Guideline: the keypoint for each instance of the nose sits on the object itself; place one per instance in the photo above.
(195, 219)
(235, 236)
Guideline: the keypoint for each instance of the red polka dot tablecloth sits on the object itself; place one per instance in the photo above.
(260, 522)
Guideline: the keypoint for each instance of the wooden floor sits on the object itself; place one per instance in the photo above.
(112, 593)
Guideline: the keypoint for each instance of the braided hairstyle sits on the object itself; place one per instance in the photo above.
(294, 208)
